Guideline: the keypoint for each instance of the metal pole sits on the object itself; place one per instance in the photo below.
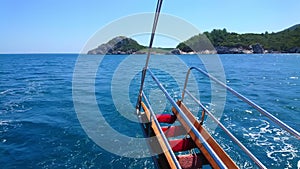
(152, 114)
(251, 103)
(157, 12)
(259, 163)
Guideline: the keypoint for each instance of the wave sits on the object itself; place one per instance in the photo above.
(275, 142)
(294, 77)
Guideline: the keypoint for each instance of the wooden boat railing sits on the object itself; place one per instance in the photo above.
(244, 99)
(192, 125)
(189, 126)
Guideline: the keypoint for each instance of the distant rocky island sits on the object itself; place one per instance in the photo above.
(118, 45)
(216, 41)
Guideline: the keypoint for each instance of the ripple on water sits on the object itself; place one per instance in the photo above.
(294, 77)
(274, 141)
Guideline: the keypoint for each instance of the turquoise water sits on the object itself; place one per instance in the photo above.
(39, 127)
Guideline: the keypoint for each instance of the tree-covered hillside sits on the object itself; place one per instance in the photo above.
(283, 41)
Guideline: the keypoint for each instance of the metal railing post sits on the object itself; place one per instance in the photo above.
(252, 104)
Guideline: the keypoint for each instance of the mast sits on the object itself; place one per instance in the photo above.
(157, 12)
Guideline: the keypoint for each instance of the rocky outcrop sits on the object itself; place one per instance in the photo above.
(118, 45)
(295, 50)
(176, 52)
(257, 48)
(229, 50)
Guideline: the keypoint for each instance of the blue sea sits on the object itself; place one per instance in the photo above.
(40, 126)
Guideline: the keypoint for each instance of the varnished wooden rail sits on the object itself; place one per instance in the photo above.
(210, 140)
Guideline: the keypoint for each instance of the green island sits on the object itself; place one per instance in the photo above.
(217, 41)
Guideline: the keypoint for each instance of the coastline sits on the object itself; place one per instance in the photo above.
(205, 52)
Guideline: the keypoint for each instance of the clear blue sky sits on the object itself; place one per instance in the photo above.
(59, 26)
